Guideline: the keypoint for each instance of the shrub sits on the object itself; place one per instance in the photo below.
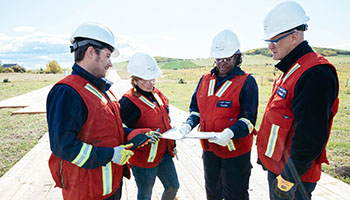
(7, 70)
(18, 68)
(53, 67)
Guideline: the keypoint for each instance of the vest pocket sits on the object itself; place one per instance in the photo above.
(56, 168)
(274, 133)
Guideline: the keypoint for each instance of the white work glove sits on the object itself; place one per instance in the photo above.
(185, 129)
(223, 138)
(122, 154)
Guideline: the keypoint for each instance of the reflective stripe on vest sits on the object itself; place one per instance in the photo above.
(153, 152)
(272, 140)
(223, 88)
(231, 146)
(211, 87)
(83, 155)
(290, 72)
(107, 179)
(146, 101)
(95, 92)
(160, 102)
(250, 126)
(195, 114)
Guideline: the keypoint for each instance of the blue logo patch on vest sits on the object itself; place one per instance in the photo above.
(282, 92)
(224, 104)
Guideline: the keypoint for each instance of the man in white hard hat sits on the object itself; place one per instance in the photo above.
(298, 118)
(226, 102)
(145, 106)
(86, 133)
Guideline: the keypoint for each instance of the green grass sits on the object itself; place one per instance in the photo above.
(18, 134)
(20, 83)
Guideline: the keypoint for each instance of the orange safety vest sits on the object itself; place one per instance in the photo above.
(215, 119)
(277, 127)
(153, 117)
(103, 128)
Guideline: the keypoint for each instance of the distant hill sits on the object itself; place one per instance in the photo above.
(320, 50)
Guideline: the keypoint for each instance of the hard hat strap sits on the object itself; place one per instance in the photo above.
(78, 44)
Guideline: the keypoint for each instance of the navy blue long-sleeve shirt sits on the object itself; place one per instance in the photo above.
(129, 112)
(314, 96)
(248, 100)
(66, 114)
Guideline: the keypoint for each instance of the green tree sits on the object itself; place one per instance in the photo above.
(53, 67)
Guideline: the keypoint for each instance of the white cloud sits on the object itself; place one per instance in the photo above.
(24, 29)
(35, 50)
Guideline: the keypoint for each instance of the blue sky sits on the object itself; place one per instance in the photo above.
(33, 32)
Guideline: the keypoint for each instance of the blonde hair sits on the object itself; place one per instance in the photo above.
(134, 79)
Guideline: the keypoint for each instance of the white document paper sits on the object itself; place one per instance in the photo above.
(174, 134)
(200, 135)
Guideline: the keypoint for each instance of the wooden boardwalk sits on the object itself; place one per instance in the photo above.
(30, 178)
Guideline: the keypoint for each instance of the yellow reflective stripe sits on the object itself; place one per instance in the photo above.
(111, 96)
(248, 123)
(83, 155)
(211, 87)
(272, 140)
(153, 152)
(160, 102)
(231, 146)
(195, 113)
(107, 179)
(95, 92)
(290, 72)
(147, 102)
(223, 88)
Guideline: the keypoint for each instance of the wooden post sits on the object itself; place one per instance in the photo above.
(262, 79)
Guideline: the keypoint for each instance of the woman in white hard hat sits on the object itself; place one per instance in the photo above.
(298, 117)
(226, 102)
(144, 106)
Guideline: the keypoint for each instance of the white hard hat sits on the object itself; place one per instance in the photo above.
(224, 44)
(283, 17)
(143, 66)
(94, 31)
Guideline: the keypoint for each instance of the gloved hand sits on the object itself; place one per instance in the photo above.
(283, 188)
(139, 140)
(122, 154)
(154, 136)
(185, 129)
(223, 138)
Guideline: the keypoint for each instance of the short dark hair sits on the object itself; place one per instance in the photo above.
(80, 51)
(238, 57)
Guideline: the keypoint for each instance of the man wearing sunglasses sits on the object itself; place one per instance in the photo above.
(298, 118)
(226, 102)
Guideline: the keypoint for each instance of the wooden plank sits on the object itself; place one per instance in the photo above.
(26, 99)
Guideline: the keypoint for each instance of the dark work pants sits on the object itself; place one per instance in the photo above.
(226, 178)
(309, 187)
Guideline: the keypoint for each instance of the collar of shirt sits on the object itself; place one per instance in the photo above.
(286, 63)
(148, 95)
(235, 71)
(101, 83)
